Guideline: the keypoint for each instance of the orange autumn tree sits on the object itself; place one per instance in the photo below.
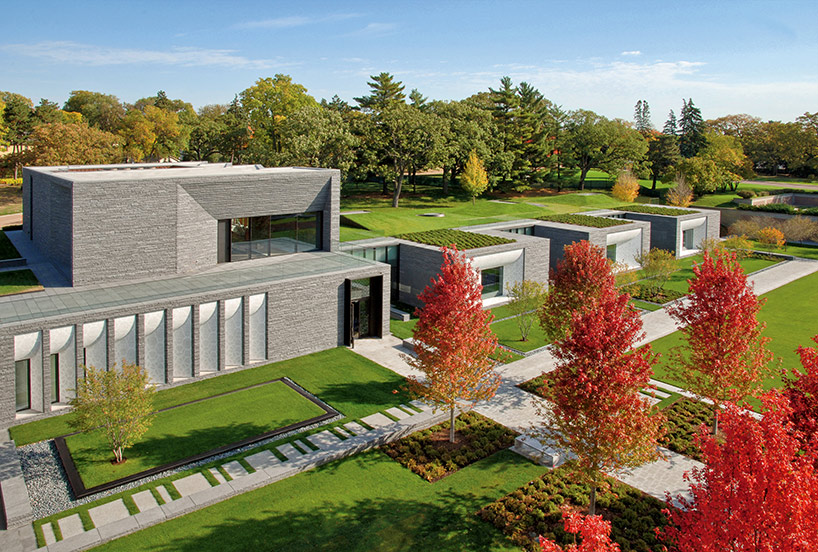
(596, 411)
(725, 356)
(453, 340)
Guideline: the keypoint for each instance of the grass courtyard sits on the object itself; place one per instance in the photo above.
(191, 429)
(365, 502)
(18, 281)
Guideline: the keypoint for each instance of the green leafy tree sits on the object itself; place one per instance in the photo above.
(151, 134)
(102, 111)
(118, 401)
(315, 136)
(658, 265)
(466, 128)
(474, 180)
(526, 296)
(384, 92)
(18, 119)
(691, 130)
(663, 154)
(206, 134)
(72, 144)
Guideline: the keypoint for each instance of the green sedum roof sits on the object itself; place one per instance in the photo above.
(460, 239)
(584, 220)
(652, 210)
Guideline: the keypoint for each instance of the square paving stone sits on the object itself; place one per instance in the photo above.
(377, 420)
(108, 513)
(303, 446)
(397, 413)
(650, 400)
(163, 492)
(355, 428)
(421, 405)
(191, 484)
(70, 526)
(217, 475)
(48, 534)
(289, 451)
(234, 469)
(324, 439)
(343, 432)
(262, 460)
(144, 500)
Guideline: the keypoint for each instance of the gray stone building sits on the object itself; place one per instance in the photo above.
(187, 269)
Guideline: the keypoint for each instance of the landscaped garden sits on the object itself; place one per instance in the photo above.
(18, 281)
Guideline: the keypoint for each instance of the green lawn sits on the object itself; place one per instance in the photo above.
(7, 249)
(803, 251)
(790, 316)
(350, 383)
(678, 281)
(366, 502)
(508, 334)
(192, 429)
(18, 281)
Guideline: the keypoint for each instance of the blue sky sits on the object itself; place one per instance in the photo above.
(744, 56)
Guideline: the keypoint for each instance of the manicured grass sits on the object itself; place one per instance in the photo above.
(508, 334)
(7, 249)
(352, 234)
(790, 316)
(192, 429)
(353, 385)
(644, 305)
(501, 312)
(462, 240)
(725, 199)
(18, 281)
(803, 251)
(403, 330)
(366, 502)
(11, 198)
(678, 280)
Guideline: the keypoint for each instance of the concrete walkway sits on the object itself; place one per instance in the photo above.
(518, 410)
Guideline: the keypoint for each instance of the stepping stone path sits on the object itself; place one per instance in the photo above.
(108, 513)
(397, 413)
(144, 500)
(377, 420)
(234, 469)
(70, 526)
(324, 439)
(108, 518)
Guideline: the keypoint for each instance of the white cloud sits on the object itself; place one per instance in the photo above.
(374, 29)
(631, 53)
(88, 54)
(293, 21)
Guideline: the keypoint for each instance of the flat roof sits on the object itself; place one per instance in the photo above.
(144, 171)
(58, 302)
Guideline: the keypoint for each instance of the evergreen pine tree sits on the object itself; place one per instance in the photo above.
(641, 117)
(691, 131)
(385, 92)
(670, 127)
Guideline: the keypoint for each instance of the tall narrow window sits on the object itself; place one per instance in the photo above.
(687, 238)
(240, 239)
(611, 252)
(22, 384)
(55, 378)
(492, 280)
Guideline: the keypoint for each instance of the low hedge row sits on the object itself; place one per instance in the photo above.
(462, 240)
(534, 509)
(684, 418)
(432, 458)
(584, 220)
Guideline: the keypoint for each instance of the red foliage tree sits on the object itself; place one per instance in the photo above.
(596, 411)
(595, 533)
(453, 340)
(802, 391)
(725, 357)
(582, 276)
(757, 491)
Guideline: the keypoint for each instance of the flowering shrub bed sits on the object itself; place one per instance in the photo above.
(534, 510)
(684, 417)
(429, 454)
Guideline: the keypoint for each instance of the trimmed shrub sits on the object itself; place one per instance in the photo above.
(746, 194)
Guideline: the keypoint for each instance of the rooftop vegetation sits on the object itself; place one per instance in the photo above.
(652, 210)
(460, 239)
(584, 220)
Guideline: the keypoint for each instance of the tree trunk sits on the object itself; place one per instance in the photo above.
(445, 182)
(398, 186)
(592, 503)
(451, 425)
(385, 189)
(414, 180)
(583, 172)
(654, 182)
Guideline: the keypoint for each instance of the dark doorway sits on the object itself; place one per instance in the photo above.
(364, 298)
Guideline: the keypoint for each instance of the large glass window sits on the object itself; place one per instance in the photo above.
(265, 236)
(492, 280)
(22, 384)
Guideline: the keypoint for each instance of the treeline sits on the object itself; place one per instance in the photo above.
(523, 139)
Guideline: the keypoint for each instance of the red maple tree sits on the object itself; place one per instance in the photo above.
(596, 411)
(758, 492)
(725, 357)
(453, 340)
(802, 391)
(582, 276)
(595, 533)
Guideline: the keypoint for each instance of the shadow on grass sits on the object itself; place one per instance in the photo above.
(368, 395)
(378, 524)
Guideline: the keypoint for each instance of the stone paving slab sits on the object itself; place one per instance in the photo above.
(149, 517)
(651, 400)
(108, 513)
(144, 500)
(355, 428)
(397, 413)
(213, 494)
(234, 469)
(48, 534)
(82, 541)
(262, 460)
(289, 451)
(303, 446)
(659, 393)
(377, 420)
(324, 439)
(662, 475)
(163, 492)
(421, 405)
(343, 432)
(217, 475)
(177, 507)
(118, 528)
(70, 526)
(191, 484)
